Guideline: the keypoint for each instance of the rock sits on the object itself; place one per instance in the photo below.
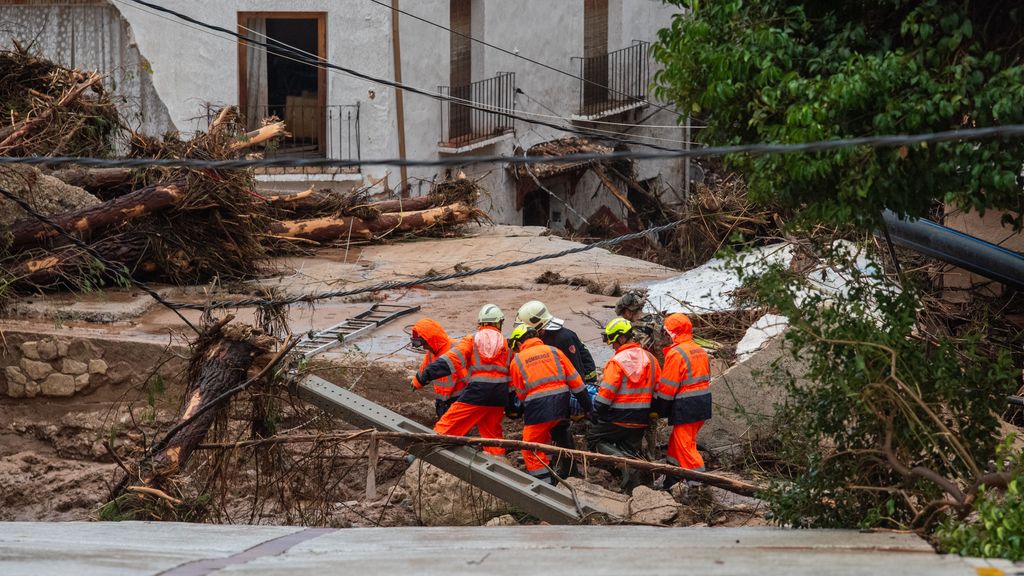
(30, 350)
(36, 370)
(503, 520)
(440, 499)
(600, 498)
(82, 350)
(62, 347)
(74, 367)
(31, 389)
(16, 381)
(81, 382)
(45, 193)
(15, 389)
(652, 506)
(97, 366)
(58, 385)
(47, 349)
(119, 372)
(736, 502)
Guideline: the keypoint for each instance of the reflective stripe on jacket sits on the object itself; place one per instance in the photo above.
(627, 386)
(543, 377)
(481, 360)
(446, 387)
(685, 382)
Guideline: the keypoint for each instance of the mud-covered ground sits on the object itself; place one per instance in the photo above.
(55, 463)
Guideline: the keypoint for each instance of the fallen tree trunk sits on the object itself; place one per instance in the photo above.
(94, 179)
(716, 480)
(65, 265)
(113, 212)
(219, 366)
(332, 229)
(268, 132)
(401, 205)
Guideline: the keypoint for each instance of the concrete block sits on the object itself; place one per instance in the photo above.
(36, 370)
(58, 385)
(97, 366)
(30, 350)
(74, 367)
(47, 349)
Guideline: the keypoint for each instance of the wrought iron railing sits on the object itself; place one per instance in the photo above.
(330, 131)
(462, 124)
(615, 80)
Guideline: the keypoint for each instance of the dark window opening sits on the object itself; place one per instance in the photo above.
(292, 88)
(461, 71)
(595, 51)
(536, 208)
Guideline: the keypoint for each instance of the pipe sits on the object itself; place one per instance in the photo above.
(956, 248)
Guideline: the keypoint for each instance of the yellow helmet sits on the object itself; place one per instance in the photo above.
(616, 328)
(519, 333)
(534, 314)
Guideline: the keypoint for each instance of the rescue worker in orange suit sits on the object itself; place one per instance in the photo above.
(430, 337)
(684, 393)
(552, 331)
(481, 360)
(543, 378)
(622, 407)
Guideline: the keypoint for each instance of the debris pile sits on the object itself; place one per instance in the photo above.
(180, 225)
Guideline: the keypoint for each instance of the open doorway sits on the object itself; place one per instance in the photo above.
(272, 83)
(536, 209)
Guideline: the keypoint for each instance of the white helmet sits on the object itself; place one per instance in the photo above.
(534, 314)
(490, 314)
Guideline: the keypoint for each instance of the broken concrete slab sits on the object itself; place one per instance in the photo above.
(648, 506)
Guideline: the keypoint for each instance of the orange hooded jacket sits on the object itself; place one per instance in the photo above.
(438, 343)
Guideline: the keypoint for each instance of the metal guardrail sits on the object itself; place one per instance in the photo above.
(614, 80)
(461, 125)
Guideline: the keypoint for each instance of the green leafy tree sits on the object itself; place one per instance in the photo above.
(795, 71)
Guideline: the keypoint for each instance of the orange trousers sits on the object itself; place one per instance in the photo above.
(537, 462)
(682, 446)
(462, 417)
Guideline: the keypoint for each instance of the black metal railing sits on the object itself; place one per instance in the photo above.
(461, 124)
(330, 131)
(614, 80)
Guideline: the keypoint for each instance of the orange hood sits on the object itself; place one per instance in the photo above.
(437, 339)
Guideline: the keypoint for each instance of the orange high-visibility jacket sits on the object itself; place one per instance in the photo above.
(447, 387)
(543, 377)
(627, 386)
(684, 390)
(481, 360)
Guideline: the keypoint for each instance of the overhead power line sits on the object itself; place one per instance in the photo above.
(521, 57)
(321, 62)
(763, 148)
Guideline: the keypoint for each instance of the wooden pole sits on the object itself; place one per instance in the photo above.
(371, 468)
(396, 50)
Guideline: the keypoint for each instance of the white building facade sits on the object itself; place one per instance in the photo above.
(191, 71)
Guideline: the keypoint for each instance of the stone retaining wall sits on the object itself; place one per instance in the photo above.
(63, 366)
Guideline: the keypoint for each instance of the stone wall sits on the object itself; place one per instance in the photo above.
(55, 366)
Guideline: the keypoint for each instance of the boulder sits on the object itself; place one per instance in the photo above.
(74, 367)
(119, 372)
(82, 350)
(650, 506)
(31, 389)
(36, 370)
(58, 385)
(81, 382)
(440, 499)
(503, 520)
(47, 349)
(97, 366)
(30, 350)
(16, 381)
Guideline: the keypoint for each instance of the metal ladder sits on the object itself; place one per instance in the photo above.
(351, 328)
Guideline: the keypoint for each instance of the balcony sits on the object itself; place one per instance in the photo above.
(465, 128)
(614, 83)
(330, 131)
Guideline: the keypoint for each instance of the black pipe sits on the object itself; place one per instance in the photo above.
(956, 248)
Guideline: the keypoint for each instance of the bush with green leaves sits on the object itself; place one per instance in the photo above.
(996, 528)
(788, 71)
(888, 426)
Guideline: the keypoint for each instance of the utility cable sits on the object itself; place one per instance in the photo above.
(394, 284)
(757, 149)
(111, 266)
(382, 81)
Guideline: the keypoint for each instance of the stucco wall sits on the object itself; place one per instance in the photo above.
(91, 36)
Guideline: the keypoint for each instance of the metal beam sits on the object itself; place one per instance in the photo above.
(553, 504)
